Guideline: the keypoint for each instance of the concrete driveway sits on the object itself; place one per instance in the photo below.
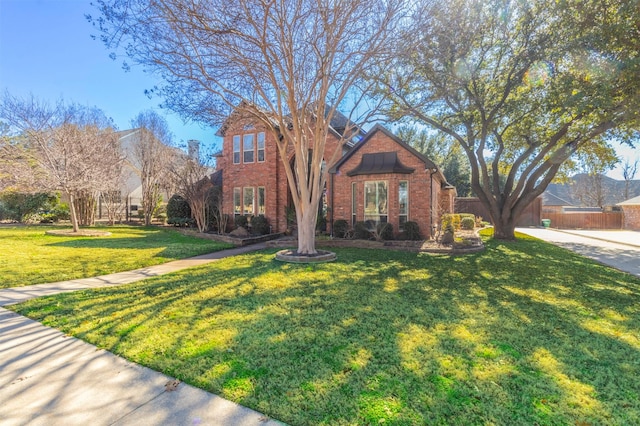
(619, 249)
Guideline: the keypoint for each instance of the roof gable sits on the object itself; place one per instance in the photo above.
(379, 128)
(379, 163)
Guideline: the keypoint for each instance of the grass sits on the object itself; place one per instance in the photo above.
(32, 257)
(524, 333)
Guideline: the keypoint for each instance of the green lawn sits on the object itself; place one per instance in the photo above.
(524, 333)
(29, 256)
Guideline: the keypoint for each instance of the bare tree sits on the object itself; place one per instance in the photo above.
(151, 157)
(287, 64)
(220, 219)
(65, 148)
(629, 171)
(192, 183)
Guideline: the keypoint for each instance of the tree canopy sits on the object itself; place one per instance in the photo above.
(522, 87)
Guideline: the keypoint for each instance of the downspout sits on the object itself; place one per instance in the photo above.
(431, 226)
(331, 205)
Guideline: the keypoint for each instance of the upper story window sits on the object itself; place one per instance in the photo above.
(261, 146)
(236, 149)
(248, 148)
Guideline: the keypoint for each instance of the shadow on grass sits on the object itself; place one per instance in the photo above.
(175, 244)
(523, 333)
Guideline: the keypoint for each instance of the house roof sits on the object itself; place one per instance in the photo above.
(338, 125)
(635, 201)
(378, 163)
(551, 199)
(216, 178)
(379, 128)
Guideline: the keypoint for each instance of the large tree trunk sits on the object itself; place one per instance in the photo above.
(307, 230)
(504, 229)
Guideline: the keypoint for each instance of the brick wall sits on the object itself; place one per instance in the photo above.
(631, 217)
(421, 188)
(269, 174)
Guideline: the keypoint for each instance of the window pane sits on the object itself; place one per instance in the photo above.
(354, 203)
(261, 146)
(237, 203)
(248, 201)
(261, 201)
(403, 197)
(375, 197)
(382, 197)
(248, 148)
(370, 201)
(236, 149)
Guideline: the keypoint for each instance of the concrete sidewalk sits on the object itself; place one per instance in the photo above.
(9, 296)
(48, 378)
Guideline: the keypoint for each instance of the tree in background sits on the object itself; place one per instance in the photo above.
(629, 171)
(444, 151)
(286, 64)
(520, 86)
(152, 156)
(66, 147)
(192, 183)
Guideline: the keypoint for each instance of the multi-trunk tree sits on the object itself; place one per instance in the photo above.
(522, 87)
(151, 157)
(286, 64)
(65, 147)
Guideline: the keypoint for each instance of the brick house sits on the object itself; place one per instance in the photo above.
(382, 179)
(631, 210)
(376, 170)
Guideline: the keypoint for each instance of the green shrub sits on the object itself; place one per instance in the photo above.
(181, 222)
(384, 232)
(178, 208)
(340, 228)
(241, 221)
(259, 225)
(450, 218)
(60, 212)
(361, 231)
(467, 223)
(412, 231)
(23, 207)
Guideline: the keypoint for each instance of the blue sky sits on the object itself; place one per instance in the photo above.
(46, 50)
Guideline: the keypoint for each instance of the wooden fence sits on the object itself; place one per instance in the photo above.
(531, 216)
(604, 220)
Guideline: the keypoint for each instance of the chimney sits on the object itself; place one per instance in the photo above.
(194, 149)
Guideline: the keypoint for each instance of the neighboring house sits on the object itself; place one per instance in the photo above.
(130, 193)
(379, 178)
(631, 210)
(552, 203)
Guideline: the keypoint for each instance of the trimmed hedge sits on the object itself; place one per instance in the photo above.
(259, 225)
(340, 228)
(241, 221)
(468, 223)
(178, 211)
(412, 231)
